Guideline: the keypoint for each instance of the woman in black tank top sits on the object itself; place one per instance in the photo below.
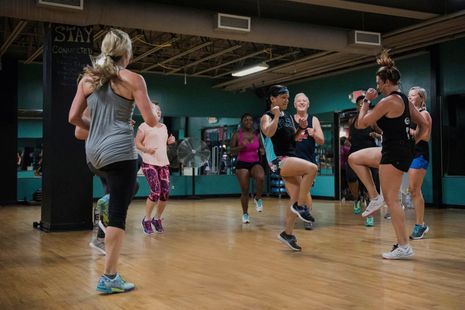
(360, 139)
(298, 174)
(417, 171)
(393, 115)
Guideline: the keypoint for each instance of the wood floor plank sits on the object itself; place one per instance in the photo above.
(208, 259)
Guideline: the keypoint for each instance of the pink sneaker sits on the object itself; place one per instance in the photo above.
(158, 226)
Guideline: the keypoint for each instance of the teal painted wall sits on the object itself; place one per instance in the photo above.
(453, 70)
(327, 94)
(30, 129)
(196, 100)
(330, 94)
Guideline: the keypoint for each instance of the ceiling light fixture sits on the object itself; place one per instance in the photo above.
(250, 70)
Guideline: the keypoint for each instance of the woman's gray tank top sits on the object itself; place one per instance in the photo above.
(111, 137)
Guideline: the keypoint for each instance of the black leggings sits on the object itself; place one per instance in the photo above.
(121, 177)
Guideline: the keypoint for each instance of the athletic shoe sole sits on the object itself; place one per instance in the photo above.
(300, 216)
(92, 245)
(288, 244)
(102, 227)
(399, 257)
(422, 235)
(366, 214)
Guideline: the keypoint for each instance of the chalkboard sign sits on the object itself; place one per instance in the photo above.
(71, 48)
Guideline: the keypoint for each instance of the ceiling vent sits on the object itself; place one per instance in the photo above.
(63, 4)
(232, 23)
(364, 38)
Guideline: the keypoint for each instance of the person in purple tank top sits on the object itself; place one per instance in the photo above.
(246, 144)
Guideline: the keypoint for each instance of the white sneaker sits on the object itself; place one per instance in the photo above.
(258, 204)
(398, 252)
(373, 206)
(245, 218)
(99, 245)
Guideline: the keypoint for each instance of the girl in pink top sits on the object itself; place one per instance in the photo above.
(246, 144)
(152, 143)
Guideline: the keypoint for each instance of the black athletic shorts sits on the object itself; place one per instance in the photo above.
(246, 165)
(400, 156)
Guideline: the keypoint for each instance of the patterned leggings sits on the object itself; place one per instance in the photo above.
(158, 179)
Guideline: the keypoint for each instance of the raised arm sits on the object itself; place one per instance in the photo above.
(76, 112)
(142, 99)
(268, 125)
(369, 118)
(234, 146)
(317, 131)
(422, 132)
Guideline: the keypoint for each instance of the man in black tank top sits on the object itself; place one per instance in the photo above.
(393, 115)
(417, 170)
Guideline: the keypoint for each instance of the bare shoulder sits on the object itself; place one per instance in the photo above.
(87, 84)
(129, 77)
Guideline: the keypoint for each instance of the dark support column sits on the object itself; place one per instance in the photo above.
(436, 133)
(9, 130)
(66, 180)
(337, 161)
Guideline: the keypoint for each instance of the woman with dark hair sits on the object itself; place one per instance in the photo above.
(246, 144)
(298, 174)
(417, 170)
(109, 91)
(393, 115)
(361, 138)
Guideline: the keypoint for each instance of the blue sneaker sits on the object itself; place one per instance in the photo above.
(357, 207)
(370, 221)
(302, 212)
(245, 218)
(258, 204)
(102, 207)
(419, 231)
(117, 285)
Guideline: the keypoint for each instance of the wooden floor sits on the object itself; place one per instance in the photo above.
(208, 259)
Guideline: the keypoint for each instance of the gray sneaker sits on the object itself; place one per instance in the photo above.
(308, 225)
(374, 205)
(398, 252)
(98, 244)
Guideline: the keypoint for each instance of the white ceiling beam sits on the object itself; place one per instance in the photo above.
(232, 48)
(191, 50)
(155, 49)
(369, 8)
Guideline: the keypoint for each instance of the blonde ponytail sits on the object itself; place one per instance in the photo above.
(115, 45)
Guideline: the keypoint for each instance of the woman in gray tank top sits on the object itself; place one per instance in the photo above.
(109, 91)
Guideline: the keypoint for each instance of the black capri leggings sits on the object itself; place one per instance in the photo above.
(121, 177)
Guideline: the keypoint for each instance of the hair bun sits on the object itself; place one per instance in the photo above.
(384, 59)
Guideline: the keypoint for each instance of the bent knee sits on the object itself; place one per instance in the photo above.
(414, 190)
